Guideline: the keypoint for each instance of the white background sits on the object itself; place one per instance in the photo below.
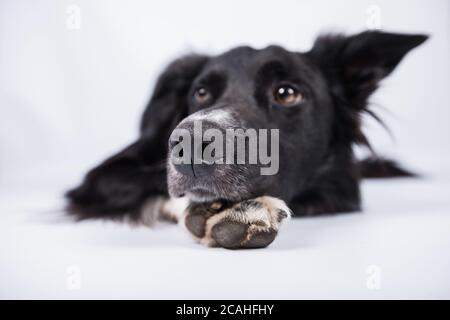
(71, 97)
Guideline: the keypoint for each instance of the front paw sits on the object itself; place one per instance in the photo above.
(248, 224)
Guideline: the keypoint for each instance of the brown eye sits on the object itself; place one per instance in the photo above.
(202, 95)
(287, 96)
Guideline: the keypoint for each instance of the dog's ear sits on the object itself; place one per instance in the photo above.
(359, 62)
(168, 104)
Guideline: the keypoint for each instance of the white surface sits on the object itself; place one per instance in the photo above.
(404, 231)
(69, 98)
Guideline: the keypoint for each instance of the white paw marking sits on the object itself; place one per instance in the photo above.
(163, 208)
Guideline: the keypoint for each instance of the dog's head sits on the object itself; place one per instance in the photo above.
(313, 100)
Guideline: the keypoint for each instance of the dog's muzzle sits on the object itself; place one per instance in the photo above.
(206, 162)
(194, 172)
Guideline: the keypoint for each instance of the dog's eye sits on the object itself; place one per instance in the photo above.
(287, 96)
(202, 95)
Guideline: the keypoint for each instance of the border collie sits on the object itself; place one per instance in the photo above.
(312, 100)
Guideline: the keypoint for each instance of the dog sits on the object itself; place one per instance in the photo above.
(314, 99)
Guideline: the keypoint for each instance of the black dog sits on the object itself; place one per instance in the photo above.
(315, 99)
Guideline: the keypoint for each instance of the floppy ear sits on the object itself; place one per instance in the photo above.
(168, 105)
(359, 62)
(119, 186)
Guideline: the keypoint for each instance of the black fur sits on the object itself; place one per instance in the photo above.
(318, 173)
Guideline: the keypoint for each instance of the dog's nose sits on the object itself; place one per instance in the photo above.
(196, 165)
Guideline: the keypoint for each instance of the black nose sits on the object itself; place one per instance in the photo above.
(204, 167)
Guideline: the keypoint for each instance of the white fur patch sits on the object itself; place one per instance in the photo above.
(174, 208)
(218, 116)
(158, 208)
(151, 210)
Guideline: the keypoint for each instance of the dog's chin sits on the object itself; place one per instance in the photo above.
(229, 186)
(201, 194)
(202, 190)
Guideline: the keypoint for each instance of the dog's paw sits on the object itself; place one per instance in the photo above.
(248, 224)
